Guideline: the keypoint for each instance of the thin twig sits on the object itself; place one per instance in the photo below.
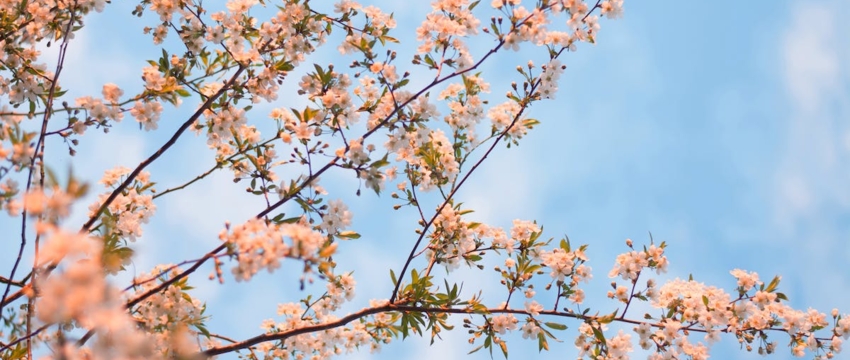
(132, 176)
(39, 146)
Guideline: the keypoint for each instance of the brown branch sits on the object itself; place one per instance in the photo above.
(39, 147)
(132, 176)
(9, 299)
(497, 140)
(380, 125)
(4, 280)
(217, 166)
(161, 287)
(280, 336)
(24, 338)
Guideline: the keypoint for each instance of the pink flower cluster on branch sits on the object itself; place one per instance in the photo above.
(421, 138)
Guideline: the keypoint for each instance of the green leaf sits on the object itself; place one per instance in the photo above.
(555, 326)
(19, 352)
(599, 335)
(773, 284)
(530, 123)
(377, 164)
(388, 38)
(473, 257)
(291, 220)
(348, 234)
(608, 318)
(565, 245)
(203, 330)
(404, 328)
(542, 343)
(504, 346)
(284, 65)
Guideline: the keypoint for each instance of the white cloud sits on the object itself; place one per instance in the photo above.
(811, 60)
(502, 191)
(811, 177)
(810, 184)
(98, 153)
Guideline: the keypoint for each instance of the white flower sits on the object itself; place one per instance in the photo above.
(533, 308)
(112, 93)
(503, 323)
(336, 218)
(530, 330)
(147, 113)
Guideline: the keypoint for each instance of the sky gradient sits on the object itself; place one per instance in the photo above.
(720, 128)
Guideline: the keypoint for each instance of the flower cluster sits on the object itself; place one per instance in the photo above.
(549, 79)
(260, 245)
(37, 203)
(505, 117)
(147, 113)
(630, 265)
(244, 60)
(504, 323)
(452, 238)
(170, 315)
(75, 292)
(330, 90)
(320, 344)
(336, 218)
(617, 347)
(444, 28)
(466, 105)
(100, 111)
(691, 306)
(130, 209)
(429, 155)
(566, 264)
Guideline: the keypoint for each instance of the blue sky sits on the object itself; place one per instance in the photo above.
(722, 129)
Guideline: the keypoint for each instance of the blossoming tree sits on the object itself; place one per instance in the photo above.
(417, 137)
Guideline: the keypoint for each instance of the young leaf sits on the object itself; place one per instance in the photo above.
(555, 326)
